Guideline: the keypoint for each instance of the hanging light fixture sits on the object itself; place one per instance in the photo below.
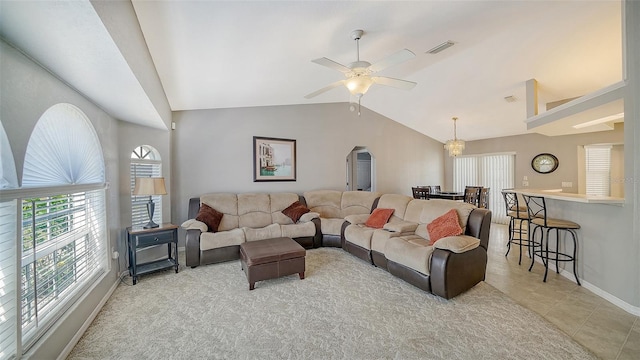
(454, 146)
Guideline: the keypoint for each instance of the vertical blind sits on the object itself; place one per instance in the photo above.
(493, 171)
(598, 169)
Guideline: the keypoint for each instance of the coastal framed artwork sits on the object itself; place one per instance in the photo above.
(274, 159)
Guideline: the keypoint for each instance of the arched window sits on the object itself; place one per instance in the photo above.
(145, 162)
(63, 223)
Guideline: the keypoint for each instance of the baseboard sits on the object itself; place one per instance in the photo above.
(633, 310)
(67, 349)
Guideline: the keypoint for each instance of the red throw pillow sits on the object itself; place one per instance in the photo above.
(209, 216)
(443, 226)
(378, 218)
(295, 211)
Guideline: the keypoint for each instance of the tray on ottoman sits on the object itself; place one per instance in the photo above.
(271, 258)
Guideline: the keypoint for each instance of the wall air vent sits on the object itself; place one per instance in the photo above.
(445, 45)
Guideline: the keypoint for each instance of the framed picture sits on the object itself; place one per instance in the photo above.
(274, 159)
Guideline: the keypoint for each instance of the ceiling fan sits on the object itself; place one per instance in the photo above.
(358, 73)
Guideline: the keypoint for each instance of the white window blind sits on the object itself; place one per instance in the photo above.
(53, 236)
(8, 291)
(63, 252)
(145, 162)
(493, 171)
(598, 169)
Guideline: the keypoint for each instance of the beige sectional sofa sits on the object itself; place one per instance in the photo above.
(333, 206)
(246, 217)
(337, 218)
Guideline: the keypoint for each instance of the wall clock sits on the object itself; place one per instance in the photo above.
(544, 163)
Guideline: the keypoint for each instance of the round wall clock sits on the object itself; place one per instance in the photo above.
(544, 163)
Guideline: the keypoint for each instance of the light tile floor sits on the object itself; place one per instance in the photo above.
(605, 329)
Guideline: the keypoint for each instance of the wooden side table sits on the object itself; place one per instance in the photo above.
(139, 238)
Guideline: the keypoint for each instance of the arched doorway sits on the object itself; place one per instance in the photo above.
(360, 170)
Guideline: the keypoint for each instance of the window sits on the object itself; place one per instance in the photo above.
(59, 220)
(145, 162)
(598, 169)
(495, 171)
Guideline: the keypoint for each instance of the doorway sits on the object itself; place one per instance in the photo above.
(360, 170)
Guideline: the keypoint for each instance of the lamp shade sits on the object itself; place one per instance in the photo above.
(149, 186)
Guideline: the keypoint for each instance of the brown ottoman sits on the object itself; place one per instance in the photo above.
(271, 258)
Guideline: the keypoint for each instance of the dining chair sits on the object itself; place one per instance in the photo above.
(421, 192)
(435, 188)
(472, 195)
(483, 199)
(518, 223)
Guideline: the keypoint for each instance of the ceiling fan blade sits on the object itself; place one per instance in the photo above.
(331, 64)
(325, 89)
(393, 59)
(396, 83)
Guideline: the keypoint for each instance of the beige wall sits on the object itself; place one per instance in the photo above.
(565, 148)
(213, 150)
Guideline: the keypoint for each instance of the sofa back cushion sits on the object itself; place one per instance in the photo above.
(254, 210)
(396, 202)
(432, 209)
(279, 202)
(327, 203)
(357, 202)
(225, 203)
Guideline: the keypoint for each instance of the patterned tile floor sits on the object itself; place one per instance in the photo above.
(605, 329)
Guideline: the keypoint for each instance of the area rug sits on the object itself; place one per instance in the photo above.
(343, 309)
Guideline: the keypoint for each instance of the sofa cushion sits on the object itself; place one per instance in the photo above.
(226, 204)
(437, 207)
(295, 211)
(324, 202)
(396, 202)
(210, 216)
(457, 244)
(411, 251)
(379, 239)
(331, 226)
(378, 218)
(267, 232)
(220, 239)
(357, 202)
(298, 230)
(359, 235)
(443, 226)
(254, 210)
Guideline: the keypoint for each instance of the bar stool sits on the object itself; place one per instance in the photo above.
(472, 195)
(538, 219)
(518, 215)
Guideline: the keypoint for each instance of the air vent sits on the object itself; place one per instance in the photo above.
(445, 45)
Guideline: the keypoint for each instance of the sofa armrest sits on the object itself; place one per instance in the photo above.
(453, 274)
(401, 227)
(192, 247)
(308, 217)
(457, 244)
(478, 225)
(357, 218)
(193, 224)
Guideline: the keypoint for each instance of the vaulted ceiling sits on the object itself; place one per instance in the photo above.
(222, 54)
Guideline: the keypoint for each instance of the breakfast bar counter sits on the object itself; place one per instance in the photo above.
(557, 194)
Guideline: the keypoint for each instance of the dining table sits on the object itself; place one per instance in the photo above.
(449, 195)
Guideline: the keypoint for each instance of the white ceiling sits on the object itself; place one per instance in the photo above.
(222, 54)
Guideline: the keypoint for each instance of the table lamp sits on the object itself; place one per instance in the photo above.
(150, 186)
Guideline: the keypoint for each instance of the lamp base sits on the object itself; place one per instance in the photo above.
(150, 225)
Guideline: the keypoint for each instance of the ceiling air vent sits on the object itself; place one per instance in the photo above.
(445, 45)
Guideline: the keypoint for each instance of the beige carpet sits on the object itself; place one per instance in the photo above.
(344, 309)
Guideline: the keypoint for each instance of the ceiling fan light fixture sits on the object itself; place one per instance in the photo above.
(454, 146)
(359, 85)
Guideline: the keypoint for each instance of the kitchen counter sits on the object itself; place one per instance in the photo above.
(557, 194)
